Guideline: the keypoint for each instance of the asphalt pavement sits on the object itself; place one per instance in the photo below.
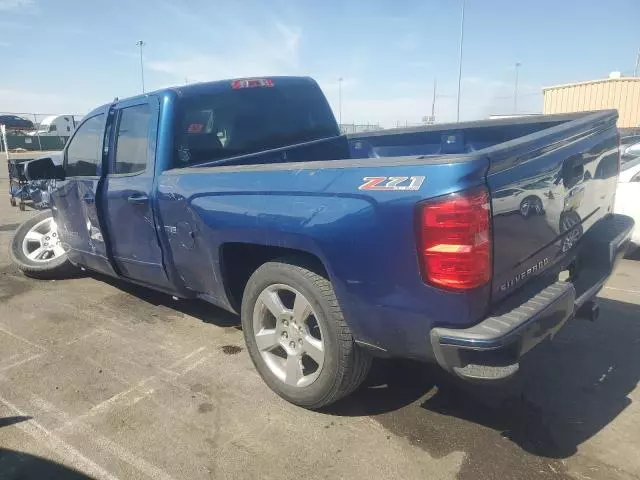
(99, 379)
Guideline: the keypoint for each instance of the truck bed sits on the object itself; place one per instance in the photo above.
(563, 166)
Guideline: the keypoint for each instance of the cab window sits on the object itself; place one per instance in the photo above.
(83, 156)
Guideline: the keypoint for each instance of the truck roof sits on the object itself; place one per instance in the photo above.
(207, 87)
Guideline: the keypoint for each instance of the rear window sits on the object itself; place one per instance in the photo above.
(242, 121)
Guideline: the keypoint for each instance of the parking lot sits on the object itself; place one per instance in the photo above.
(99, 379)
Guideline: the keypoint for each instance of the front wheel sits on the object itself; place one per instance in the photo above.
(36, 248)
(297, 336)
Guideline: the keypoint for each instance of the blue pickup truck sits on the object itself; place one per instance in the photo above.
(462, 244)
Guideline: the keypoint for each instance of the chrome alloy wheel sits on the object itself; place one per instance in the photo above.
(42, 242)
(288, 335)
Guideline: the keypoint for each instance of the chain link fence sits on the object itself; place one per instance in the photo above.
(37, 131)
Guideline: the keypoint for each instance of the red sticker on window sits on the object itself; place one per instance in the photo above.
(195, 128)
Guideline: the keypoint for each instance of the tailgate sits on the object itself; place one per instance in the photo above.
(547, 189)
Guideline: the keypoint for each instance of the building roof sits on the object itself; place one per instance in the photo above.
(590, 82)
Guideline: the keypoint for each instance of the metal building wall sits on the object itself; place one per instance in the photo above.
(622, 94)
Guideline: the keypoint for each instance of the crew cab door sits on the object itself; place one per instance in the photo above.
(128, 192)
(75, 198)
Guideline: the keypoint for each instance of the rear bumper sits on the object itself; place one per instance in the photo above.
(492, 348)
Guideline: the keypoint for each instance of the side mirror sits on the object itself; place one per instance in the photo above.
(43, 169)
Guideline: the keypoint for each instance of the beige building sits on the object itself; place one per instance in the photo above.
(621, 93)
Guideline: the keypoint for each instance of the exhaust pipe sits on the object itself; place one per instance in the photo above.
(589, 311)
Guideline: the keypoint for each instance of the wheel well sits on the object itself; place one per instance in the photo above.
(240, 260)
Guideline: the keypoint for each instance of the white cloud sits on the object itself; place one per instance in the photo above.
(271, 50)
(17, 5)
(21, 101)
(405, 103)
(409, 41)
(331, 86)
(291, 39)
(130, 55)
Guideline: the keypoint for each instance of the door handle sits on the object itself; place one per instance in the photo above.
(89, 199)
(137, 199)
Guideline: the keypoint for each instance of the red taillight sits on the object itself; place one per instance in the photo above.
(455, 240)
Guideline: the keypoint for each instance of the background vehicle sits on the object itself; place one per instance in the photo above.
(336, 248)
(518, 200)
(630, 145)
(56, 126)
(16, 123)
(628, 192)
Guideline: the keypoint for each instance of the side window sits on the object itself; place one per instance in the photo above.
(132, 139)
(83, 159)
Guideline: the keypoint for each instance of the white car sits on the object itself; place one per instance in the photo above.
(628, 193)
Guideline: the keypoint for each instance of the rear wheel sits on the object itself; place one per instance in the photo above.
(297, 337)
(36, 248)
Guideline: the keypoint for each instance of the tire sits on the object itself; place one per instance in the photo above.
(531, 206)
(53, 268)
(22, 206)
(12, 201)
(344, 366)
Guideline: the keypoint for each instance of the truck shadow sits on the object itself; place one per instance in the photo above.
(204, 311)
(19, 466)
(566, 392)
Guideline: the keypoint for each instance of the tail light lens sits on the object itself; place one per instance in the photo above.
(455, 240)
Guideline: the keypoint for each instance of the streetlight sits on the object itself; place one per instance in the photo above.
(460, 59)
(141, 44)
(340, 100)
(515, 89)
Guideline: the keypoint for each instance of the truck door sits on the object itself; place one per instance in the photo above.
(128, 200)
(74, 201)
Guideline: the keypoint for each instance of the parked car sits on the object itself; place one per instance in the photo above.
(628, 193)
(517, 199)
(630, 145)
(333, 248)
(15, 122)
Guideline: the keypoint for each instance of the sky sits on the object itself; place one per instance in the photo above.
(68, 56)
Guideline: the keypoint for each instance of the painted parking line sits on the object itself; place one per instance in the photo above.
(622, 290)
(105, 444)
(75, 458)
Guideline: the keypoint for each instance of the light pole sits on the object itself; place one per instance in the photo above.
(460, 59)
(433, 102)
(141, 44)
(515, 89)
(340, 100)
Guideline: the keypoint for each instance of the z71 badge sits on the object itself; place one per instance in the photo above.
(392, 183)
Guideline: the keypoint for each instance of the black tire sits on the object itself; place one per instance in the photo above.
(22, 206)
(531, 206)
(345, 364)
(12, 201)
(59, 267)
